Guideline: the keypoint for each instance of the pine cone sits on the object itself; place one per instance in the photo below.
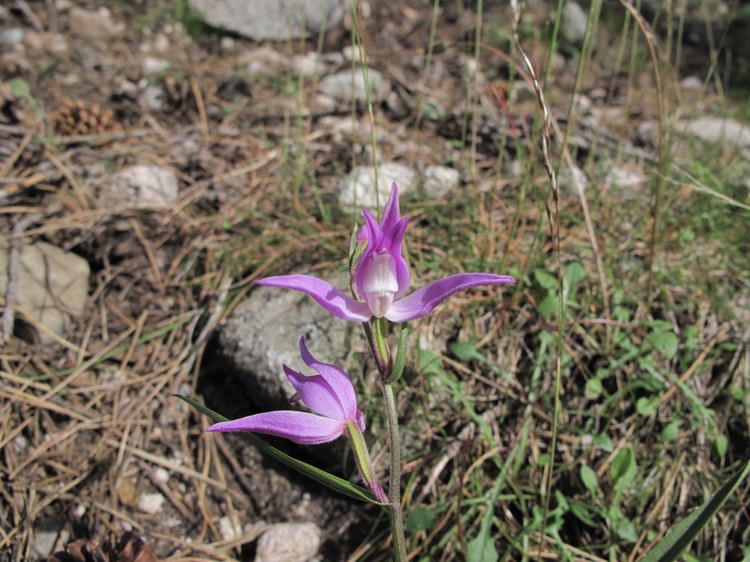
(129, 549)
(77, 118)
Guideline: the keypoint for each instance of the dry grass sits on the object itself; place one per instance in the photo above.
(89, 428)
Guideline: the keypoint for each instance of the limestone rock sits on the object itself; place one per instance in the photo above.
(440, 181)
(93, 25)
(716, 129)
(358, 190)
(290, 542)
(277, 20)
(573, 23)
(52, 285)
(263, 334)
(140, 186)
(350, 85)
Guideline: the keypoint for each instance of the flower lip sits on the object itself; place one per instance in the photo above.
(383, 239)
(380, 283)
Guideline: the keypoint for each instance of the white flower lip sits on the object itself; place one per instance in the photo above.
(380, 284)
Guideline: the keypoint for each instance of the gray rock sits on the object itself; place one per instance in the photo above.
(49, 536)
(141, 186)
(349, 85)
(358, 190)
(717, 129)
(153, 65)
(52, 285)
(572, 178)
(573, 23)
(308, 64)
(440, 181)
(11, 36)
(153, 98)
(691, 84)
(648, 133)
(289, 542)
(266, 61)
(624, 179)
(93, 25)
(270, 19)
(263, 334)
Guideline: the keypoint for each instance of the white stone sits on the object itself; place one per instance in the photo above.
(230, 527)
(288, 542)
(153, 65)
(349, 85)
(153, 98)
(11, 36)
(691, 84)
(573, 178)
(573, 24)
(227, 44)
(265, 60)
(141, 186)
(624, 178)
(52, 284)
(162, 475)
(49, 534)
(270, 19)
(358, 189)
(151, 503)
(309, 64)
(716, 129)
(440, 181)
(93, 25)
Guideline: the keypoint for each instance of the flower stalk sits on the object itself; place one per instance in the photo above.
(394, 487)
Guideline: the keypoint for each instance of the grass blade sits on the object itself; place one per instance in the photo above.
(686, 530)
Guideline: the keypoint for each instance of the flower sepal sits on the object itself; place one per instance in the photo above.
(329, 480)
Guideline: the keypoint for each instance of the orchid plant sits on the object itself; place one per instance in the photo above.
(379, 282)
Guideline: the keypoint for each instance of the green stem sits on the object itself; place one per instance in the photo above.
(394, 489)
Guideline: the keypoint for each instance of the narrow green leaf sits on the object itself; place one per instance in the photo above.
(464, 351)
(398, 366)
(327, 479)
(589, 478)
(686, 530)
(623, 468)
(722, 444)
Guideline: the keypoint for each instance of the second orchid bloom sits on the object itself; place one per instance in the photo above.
(330, 395)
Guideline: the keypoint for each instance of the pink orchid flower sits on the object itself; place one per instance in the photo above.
(330, 395)
(381, 277)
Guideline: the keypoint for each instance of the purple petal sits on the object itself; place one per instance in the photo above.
(422, 302)
(395, 238)
(329, 297)
(300, 427)
(318, 395)
(391, 214)
(330, 394)
(374, 231)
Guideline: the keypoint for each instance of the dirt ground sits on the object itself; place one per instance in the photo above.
(93, 441)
